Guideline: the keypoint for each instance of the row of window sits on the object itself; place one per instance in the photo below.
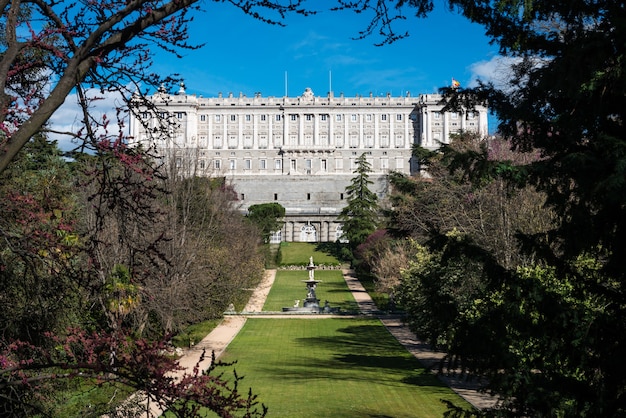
(293, 116)
(293, 164)
(242, 196)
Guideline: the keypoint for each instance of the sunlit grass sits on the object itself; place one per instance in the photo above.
(299, 253)
(334, 368)
(288, 287)
(194, 333)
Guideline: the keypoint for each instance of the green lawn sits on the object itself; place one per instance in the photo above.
(298, 254)
(288, 287)
(334, 368)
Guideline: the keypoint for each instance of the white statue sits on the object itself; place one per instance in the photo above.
(311, 269)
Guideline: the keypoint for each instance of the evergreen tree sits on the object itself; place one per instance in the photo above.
(360, 216)
(268, 217)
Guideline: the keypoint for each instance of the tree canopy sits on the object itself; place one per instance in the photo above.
(268, 217)
(543, 326)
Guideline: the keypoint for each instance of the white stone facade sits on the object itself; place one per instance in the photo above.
(300, 151)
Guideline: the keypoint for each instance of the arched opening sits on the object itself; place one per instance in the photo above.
(308, 233)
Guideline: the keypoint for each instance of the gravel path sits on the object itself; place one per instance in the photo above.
(227, 330)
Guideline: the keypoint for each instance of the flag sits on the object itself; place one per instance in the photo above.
(455, 84)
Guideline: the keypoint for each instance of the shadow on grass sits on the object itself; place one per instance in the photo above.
(355, 353)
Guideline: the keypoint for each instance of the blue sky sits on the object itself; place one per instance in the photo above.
(244, 55)
(241, 54)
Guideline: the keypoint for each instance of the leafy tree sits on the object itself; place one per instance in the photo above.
(473, 187)
(268, 217)
(361, 215)
(39, 247)
(553, 324)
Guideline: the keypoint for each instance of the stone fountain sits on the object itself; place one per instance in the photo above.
(311, 302)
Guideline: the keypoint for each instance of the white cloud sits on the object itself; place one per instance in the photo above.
(68, 118)
(497, 71)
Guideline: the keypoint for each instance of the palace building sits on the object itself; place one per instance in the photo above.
(299, 151)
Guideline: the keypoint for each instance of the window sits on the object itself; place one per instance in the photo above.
(383, 117)
(179, 115)
(353, 118)
(201, 163)
(293, 164)
(262, 164)
(233, 118)
(232, 164)
(263, 118)
(368, 118)
(243, 196)
(144, 115)
(338, 118)
(323, 117)
(399, 116)
(218, 118)
(324, 165)
(340, 196)
(293, 117)
(217, 164)
(247, 164)
(437, 115)
(202, 118)
(275, 196)
(309, 117)
(278, 117)
(454, 115)
(248, 118)
(308, 196)
(277, 164)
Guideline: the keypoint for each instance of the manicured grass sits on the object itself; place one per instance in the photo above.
(298, 254)
(88, 398)
(194, 333)
(288, 287)
(334, 368)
